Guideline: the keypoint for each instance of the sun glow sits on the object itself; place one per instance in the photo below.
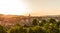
(14, 7)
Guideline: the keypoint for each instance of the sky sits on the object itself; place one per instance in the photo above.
(44, 7)
(14, 7)
(33, 7)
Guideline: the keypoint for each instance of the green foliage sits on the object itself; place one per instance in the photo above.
(35, 22)
(2, 29)
(42, 23)
(17, 29)
(36, 29)
(43, 27)
(58, 24)
(52, 20)
(14, 29)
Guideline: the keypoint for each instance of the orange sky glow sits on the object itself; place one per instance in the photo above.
(33, 7)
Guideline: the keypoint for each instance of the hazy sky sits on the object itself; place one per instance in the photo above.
(15, 7)
(34, 7)
(44, 7)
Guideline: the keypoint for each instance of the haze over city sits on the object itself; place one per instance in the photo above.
(33, 7)
(29, 16)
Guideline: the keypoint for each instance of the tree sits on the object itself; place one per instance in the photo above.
(35, 22)
(54, 30)
(58, 23)
(17, 29)
(42, 22)
(36, 29)
(52, 20)
(30, 30)
(2, 29)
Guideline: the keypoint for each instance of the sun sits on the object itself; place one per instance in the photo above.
(14, 7)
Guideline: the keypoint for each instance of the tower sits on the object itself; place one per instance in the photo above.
(29, 19)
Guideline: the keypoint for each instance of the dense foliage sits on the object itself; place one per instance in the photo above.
(41, 26)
